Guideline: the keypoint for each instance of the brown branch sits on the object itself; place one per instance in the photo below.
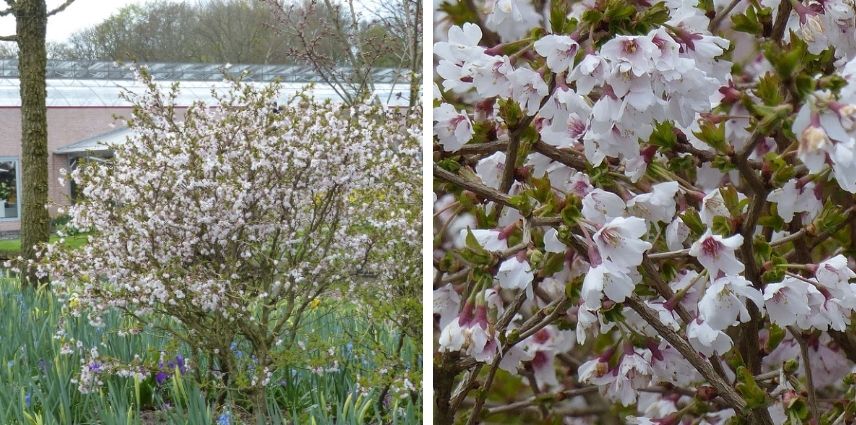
(510, 161)
(60, 8)
(559, 396)
(485, 192)
(12, 37)
(748, 341)
(669, 254)
(699, 363)
(714, 23)
(663, 288)
(781, 23)
(482, 395)
(809, 381)
(559, 155)
(482, 148)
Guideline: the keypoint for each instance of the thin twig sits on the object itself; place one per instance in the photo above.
(561, 395)
(809, 381)
(477, 188)
(60, 8)
(705, 369)
(714, 23)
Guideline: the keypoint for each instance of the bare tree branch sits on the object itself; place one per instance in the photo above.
(60, 8)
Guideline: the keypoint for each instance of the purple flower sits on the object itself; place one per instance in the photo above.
(161, 377)
(179, 360)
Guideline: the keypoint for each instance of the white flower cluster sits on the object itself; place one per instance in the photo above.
(227, 216)
(826, 127)
(579, 245)
(671, 73)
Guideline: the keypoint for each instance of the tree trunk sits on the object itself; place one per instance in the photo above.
(415, 60)
(35, 223)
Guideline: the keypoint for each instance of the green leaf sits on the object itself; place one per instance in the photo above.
(705, 5)
(653, 16)
(721, 226)
(805, 85)
(723, 163)
(750, 391)
(788, 60)
(747, 22)
(830, 217)
(775, 274)
(613, 314)
(713, 135)
(553, 263)
(731, 198)
(571, 214)
(472, 243)
(617, 11)
(771, 117)
(572, 288)
(781, 169)
(449, 164)
(509, 111)
(559, 21)
(776, 335)
(459, 12)
(482, 131)
(772, 220)
(797, 410)
(521, 202)
(763, 250)
(769, 89)
(664, 135)
(592, 17)
(691, 218)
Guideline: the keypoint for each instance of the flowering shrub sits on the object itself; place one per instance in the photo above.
(643, 212)
(234, 220)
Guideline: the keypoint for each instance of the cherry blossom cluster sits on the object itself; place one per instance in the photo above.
(229, 221)
(644, 213)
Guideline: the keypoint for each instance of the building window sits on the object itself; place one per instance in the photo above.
(9, 195)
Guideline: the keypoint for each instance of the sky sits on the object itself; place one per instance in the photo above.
(81, 14)
(86, 13)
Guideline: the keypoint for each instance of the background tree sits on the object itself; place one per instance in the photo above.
(401, 23)
(31, 17)
(318, 30)
(158, 30)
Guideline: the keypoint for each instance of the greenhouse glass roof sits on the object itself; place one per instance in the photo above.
(98, 84)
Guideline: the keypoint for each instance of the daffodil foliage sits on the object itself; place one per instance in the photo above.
(226, 223)
(644, 211)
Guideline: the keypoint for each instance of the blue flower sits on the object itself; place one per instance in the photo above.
(28, 399)
(225, 419)
(234, 348)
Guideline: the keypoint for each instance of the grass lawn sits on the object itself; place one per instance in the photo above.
(10, 248)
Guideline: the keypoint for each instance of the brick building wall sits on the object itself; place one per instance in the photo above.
(66, 125)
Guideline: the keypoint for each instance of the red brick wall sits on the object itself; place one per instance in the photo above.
(65, 126)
